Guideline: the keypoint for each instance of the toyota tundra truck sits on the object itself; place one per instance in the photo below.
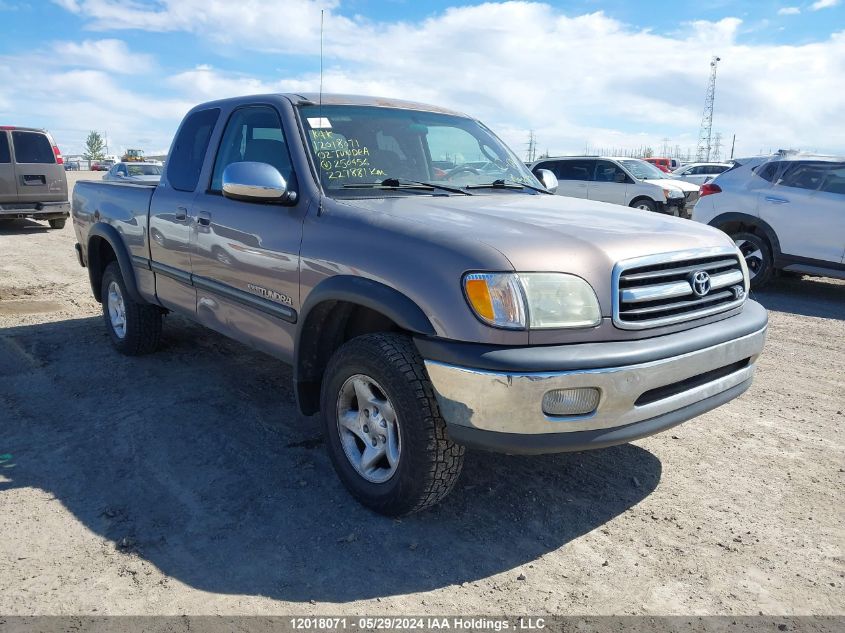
(429, 291)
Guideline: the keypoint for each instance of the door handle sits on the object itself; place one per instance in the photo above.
(204, 218)
(181, 214)
(776, 200)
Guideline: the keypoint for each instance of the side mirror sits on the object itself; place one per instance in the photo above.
(548, 179)
(121, 175)
(256, 182)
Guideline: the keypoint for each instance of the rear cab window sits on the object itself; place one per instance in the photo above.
(32, 148)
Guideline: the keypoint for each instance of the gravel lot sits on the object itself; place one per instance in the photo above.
(185, 482)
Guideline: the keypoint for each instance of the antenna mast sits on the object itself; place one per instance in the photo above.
(705, 133)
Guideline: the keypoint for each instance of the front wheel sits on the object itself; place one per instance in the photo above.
(385, 436)
(758, 257)
(645, 204)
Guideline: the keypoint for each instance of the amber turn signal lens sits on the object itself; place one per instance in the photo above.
(479, 297)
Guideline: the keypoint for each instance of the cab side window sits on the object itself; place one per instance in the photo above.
(609, 172)
(185, 161)
(576, 170)
(834, 180)
(253, 134)
(5, 155)
(804, 176)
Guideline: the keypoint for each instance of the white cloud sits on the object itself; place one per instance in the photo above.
(113, 55)
(824, 4)
(71, 103)
(789, 11)
(575, 80)
(68, 5)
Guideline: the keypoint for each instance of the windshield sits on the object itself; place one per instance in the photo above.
(643, 170)
(143, 170)
(354, 146)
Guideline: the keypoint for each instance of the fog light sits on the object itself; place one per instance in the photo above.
(579, 401)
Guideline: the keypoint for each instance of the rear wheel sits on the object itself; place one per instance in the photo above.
(645, 204)
(758, 257)
(134, 328)
(385, 436)
(57, 224)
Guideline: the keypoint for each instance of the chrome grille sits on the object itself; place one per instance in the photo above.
(658, 290)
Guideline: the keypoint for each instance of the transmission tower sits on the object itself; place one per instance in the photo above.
(531, 154)
(717, 146)
(703, 152)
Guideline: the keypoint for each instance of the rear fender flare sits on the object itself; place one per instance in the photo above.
(110, 234)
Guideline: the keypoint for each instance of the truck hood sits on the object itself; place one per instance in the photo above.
(671, 182)
(549, 233)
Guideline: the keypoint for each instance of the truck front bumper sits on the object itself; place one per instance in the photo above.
(502, 409)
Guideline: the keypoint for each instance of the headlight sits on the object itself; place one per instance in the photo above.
(673, 193)
(542, 300)
(496, 299)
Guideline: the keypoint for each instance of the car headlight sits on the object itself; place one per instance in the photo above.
(673, 193)
(540, 300)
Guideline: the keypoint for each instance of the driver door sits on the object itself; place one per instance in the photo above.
(245, 255)
(609, 183)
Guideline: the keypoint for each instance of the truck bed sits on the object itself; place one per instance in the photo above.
(124, 206)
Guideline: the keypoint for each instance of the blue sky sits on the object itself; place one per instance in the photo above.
(587, 74)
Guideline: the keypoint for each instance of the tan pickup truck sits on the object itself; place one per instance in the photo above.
(430, 292)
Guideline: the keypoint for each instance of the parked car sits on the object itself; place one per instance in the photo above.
(139, 173)
(783, 212)
(33, 183)
(421, 316)
(699, 173)
(99, 166)
(626, 181)
(663, 164)
(72, 165)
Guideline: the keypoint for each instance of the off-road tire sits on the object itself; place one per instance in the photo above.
(766, 268)
(57, 224)
(143, 320)
(430, 463)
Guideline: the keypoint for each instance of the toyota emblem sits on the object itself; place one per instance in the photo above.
(700, 283)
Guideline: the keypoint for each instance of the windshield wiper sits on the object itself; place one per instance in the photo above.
(506, 184)
(404, 183)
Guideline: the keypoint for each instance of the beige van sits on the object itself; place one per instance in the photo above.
(33, 183)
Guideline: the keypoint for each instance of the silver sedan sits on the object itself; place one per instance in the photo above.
(138, 173)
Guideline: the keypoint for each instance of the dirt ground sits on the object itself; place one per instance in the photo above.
(186, 483)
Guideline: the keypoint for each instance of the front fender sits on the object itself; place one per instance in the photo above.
(321, 325)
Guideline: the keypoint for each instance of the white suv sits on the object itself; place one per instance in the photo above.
(699, 173)
(628, 181)
(784, 213)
